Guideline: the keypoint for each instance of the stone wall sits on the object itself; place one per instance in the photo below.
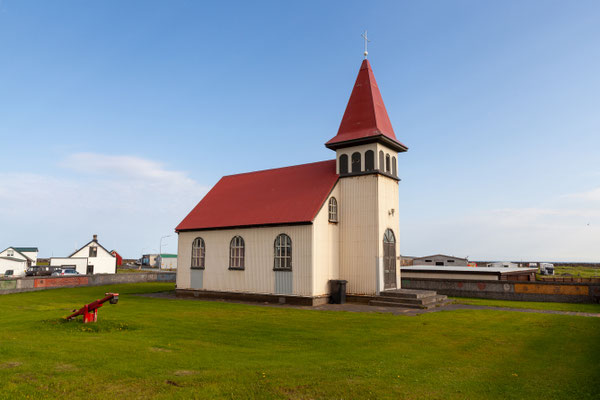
(46, 282)
(506, 290)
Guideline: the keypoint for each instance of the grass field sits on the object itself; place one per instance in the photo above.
(534, 305)
(579, 271)
(162, 348)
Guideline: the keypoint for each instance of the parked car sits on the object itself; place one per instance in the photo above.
(63, 272)
(41, 270)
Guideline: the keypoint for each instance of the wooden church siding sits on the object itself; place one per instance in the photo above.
(358, 233)
(258, 275)
(326, 245)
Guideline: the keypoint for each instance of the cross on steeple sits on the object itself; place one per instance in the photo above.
(364, 35)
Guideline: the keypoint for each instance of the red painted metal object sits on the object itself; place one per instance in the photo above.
(90, 311)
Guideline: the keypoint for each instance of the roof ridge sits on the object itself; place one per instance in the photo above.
(278, 168)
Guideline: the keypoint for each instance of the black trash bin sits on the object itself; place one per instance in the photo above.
(337, 291)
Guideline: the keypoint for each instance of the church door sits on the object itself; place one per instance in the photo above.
(389, 260)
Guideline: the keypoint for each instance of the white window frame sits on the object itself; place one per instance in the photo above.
(333, 210)
(198, 253)
(237, 253)
(283, 253)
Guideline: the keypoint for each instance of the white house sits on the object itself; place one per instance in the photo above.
(92, 258)
(166, 261)
(80, 264)
(16, 265)
(17, 259)
(286, 232)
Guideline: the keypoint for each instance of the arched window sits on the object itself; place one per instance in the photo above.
(236, 253)
(333, 211)
(394, 168)
(389, 260)
(283, 252)
(381, 161)
(387, 163)
(389, 237)
(198, 252)
(356, 162)
(369, 160)
(343, 164)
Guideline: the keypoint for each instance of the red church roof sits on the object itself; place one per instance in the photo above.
(279, 196)
(365, 118)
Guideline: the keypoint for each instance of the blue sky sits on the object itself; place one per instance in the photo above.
(116, 117)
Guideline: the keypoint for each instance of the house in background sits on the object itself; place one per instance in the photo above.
(441, 260)
(80, 264)
(92, 258)
(17, 259)
(118, 257)
(166, 261)
(149, 260)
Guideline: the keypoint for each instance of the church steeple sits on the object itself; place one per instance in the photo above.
(365, 119)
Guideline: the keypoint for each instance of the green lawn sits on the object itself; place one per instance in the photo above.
(588, 308)
(161, 348)
(578, 271)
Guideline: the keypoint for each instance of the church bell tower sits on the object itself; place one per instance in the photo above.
(366, 161)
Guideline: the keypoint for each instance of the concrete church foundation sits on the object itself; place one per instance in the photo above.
(254, 297)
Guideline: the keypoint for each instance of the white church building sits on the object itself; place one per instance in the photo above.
(282, 234)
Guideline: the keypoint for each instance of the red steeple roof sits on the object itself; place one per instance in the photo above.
(365, 119)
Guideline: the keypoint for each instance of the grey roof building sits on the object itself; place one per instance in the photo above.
(441, 260)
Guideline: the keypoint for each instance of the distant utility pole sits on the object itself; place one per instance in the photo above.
(160, 246)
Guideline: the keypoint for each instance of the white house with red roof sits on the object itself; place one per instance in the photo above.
(282, 234)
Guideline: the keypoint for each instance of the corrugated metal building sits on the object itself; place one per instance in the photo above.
(474, 273)
(166, 261)
(441, 259)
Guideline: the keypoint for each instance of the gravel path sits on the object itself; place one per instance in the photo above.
(355, 307)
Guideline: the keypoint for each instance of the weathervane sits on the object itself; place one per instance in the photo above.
(364, 35)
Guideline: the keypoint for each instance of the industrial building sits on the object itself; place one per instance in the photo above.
(166, 261)
(440, 260)
(469, 273)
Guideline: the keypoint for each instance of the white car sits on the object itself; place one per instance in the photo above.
(64, 272)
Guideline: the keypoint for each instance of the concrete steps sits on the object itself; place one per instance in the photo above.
(408, 298)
